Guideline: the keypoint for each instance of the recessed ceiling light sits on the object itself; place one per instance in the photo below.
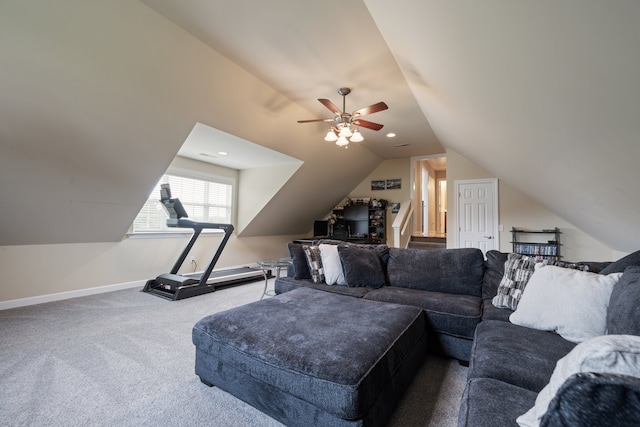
(222, 153)
(391, 135)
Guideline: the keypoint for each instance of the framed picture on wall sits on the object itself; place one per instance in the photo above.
(377, 184)
(394, 184)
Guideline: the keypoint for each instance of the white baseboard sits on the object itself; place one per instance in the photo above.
(41, 299)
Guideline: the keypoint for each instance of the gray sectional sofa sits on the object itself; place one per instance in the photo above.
(509, 364)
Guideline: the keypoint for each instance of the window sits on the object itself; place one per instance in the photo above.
(204, 201)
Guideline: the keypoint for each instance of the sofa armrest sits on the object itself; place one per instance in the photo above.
(595, 399)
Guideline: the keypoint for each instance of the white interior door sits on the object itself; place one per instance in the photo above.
(477, 214)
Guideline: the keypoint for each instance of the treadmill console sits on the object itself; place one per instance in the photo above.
(173, 206)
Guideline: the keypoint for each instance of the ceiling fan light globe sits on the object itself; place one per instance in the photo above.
(345, 131)
(331, 136)
(357, 136)
(342, 141)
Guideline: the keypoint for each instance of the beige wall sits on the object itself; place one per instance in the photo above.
(30, 271)
(388, 169)
(518, 210)
(37, 270)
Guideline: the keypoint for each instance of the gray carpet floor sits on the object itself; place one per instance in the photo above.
(125, 358)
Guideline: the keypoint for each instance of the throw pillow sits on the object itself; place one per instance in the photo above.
(565, 264)
(623, 314)
(331, 265)
(362, 266)
(314, 259)
(493, 273)
(299, 261)
(595, 399)
(517, 271)
(613, 354)
(569, 302)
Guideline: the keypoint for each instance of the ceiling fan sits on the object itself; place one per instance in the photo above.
(346, 124)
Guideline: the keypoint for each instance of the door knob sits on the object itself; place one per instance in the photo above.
(488, 237)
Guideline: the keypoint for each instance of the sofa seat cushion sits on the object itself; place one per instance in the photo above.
(491, 312)
(446, 313)
(515, 354)
(489, 402)
(338, 353)
(286, 284)
(452, 271)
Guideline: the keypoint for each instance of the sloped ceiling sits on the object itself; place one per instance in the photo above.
(545, 95)
(97, 98)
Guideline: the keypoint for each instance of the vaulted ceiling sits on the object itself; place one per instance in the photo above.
(97, 98)
(544, 95)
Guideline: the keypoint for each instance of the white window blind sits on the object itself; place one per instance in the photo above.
(204, 201)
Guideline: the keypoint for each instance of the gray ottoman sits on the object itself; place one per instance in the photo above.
(313, 358)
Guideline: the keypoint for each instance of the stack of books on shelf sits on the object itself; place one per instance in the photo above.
(536, 249)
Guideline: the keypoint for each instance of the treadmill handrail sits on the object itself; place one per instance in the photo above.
(197, 229)
(188, 223)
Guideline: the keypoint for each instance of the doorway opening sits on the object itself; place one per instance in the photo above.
(430, 196)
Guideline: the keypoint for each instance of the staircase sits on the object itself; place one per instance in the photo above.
(428, 243)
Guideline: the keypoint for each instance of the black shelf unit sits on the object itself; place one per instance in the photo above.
(377, 223)
(533, 246)
(358, 223)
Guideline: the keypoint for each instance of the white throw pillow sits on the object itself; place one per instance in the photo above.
(569, 302)
(333, 273)
(607, 354)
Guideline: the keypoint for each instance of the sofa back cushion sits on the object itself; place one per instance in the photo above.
(453, 271)
(364, 265)
(619, 266)
(623, 313)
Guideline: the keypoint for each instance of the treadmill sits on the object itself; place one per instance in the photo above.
(174, 286)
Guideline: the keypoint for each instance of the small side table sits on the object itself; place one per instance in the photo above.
(269, 264)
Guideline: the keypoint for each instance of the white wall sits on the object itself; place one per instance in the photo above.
(517, 210)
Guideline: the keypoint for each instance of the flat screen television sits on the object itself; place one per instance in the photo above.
(358, 228)
(320, 228)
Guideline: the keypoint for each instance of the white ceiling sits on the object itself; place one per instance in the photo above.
(543, 95)
(308, 50)
(211, 145)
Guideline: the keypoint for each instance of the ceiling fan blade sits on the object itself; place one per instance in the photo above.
(330, 105)
(367, 124)
(315, 120)
(370, 109)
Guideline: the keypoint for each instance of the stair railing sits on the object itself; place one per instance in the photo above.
(403, 220)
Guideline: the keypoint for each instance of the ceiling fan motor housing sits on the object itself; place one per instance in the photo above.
(343, 118)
